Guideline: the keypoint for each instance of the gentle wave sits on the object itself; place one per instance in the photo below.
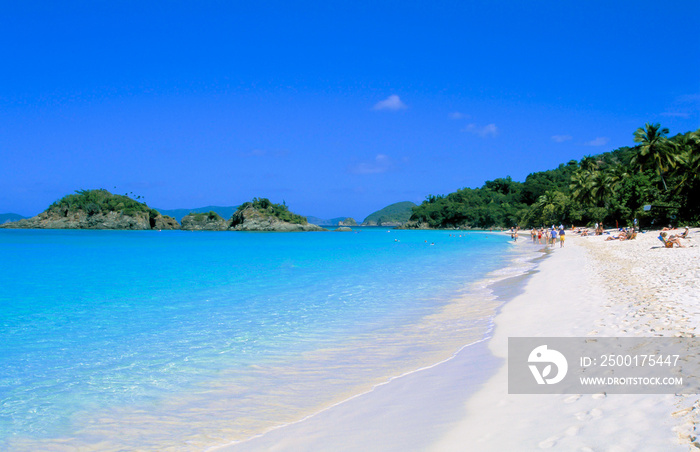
(189, 340)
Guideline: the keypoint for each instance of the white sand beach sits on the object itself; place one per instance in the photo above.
(590, 287)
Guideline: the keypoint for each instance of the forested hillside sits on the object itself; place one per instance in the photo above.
(609, 187)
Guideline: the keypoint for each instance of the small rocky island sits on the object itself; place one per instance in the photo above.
(210, 221)
(263, 215)
(347, 222)
(96, 209)
(258, 215)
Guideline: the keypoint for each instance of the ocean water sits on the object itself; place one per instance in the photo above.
(119, 340)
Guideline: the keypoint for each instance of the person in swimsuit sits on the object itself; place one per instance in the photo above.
(669, 242)
(562, 234)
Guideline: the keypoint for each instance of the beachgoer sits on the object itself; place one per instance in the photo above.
(554, 236)
(562, 235)
(668, 243)
(622, 236)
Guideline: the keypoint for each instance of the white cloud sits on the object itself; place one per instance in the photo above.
(392, 103)
(561, 138)
(265, 153)
(599, 141)
(483, 132)
(676, 114)
(458, 115)
(689, 98)
(381, 164)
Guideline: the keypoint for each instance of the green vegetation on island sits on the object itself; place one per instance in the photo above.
(179, 214)
(394, 214)
(100, 201)
(608, 188)
(263, 215)
(97, 209)
(267, 209)
(199, 217)
(204, 221)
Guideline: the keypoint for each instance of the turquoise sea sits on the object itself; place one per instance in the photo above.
(120, 340)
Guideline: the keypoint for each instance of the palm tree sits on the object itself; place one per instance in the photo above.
(589, 163)
(580, 189)
(654, 149)
(589, 187)
(550, 206)
(601, 191)
(614, 176)
(688, 150)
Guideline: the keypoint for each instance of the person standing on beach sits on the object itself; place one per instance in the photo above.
(554, 236)
(562, 234)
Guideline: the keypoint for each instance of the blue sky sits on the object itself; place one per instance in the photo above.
(338, 108)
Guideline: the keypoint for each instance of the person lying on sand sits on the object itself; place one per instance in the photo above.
(684, 235)
(668, 243)
(622, 236)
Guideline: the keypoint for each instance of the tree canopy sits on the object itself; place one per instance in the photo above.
(608, 188)
(268, 208)
(100, 201)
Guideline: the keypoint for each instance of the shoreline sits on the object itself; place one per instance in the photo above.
(294, 435)
(336, 427)
(210, 415)
(581, 291)
(569, 293)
